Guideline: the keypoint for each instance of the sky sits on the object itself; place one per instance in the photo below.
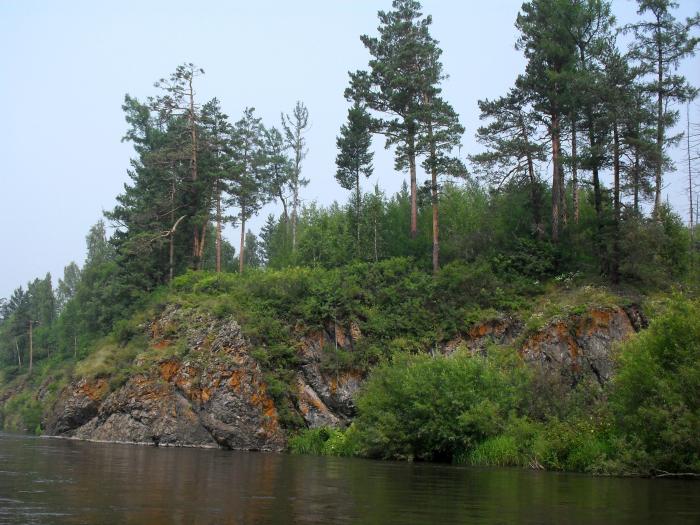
(66, 67)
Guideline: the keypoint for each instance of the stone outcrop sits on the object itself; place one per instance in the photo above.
(215, 397)
(579, 345)
(325, 396)
(198, 384)
(568, 349)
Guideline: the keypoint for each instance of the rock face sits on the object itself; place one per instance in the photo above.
(568, 350)
(216, 397)
(198, 385)
(579, 346)
(325, 396)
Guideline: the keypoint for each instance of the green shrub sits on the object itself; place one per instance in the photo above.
(324, 441)
(433, 408)
(656, 393)
(498, 451)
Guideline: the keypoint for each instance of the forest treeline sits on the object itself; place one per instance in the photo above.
(596, 101)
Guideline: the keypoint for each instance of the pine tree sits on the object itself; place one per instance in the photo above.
(661, 43)
(550, 49)
(179, 100)
(354, 157)
(442, 133)
(68, 286)
(249, 189)
(280, 169)
(400, 68)
(591, 24)
(513, 148)
(216, 136)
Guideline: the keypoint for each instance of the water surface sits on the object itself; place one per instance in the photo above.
(52, 481)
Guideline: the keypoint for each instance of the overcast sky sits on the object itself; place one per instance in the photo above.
(67, 65)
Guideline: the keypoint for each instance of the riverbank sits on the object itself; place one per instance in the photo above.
(532, 377)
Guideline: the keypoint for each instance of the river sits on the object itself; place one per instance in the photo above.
(55, 481)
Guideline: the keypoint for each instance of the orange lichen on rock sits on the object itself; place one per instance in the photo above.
(235, 380)
(161, 345)
(168, 369)
(94, 389)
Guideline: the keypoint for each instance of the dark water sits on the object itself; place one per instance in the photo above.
(51, 481)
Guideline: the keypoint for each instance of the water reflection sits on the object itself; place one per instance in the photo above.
(46, 481)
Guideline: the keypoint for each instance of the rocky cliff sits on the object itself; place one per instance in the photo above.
(198, 384)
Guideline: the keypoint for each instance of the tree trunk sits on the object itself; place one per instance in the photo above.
(690, 175)
(615, 269)
(636, 179)
(218, 228)
(171, 243)
(414, 187)
(556, 191)
(436, 224)
(242, 252)
(202, 243)
(562, 192)
(534, 190)
(193, 167)
(358, 198)
(376, 255)
(574, 168)
(434, 195)
(659, 133)
(295, 194)
(31, 348)
(19, 356)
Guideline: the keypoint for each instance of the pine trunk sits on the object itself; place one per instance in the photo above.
(31, 348)
(358, 198)
(242, 252)
(414, 187)
(218, 228)
(615, 269)
(171, 240)
(659, 135)
(636, 179)
(556, 191)
(574, 169)
(193, 168)
(534, 190)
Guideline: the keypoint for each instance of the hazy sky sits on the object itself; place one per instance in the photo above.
(67, 65)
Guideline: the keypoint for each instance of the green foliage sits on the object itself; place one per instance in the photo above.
(324, 441)
(433, 408)
(22, 412)
(656, 393)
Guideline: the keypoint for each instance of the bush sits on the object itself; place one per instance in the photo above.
(433, 408)
(656, 393)
(324, 441)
